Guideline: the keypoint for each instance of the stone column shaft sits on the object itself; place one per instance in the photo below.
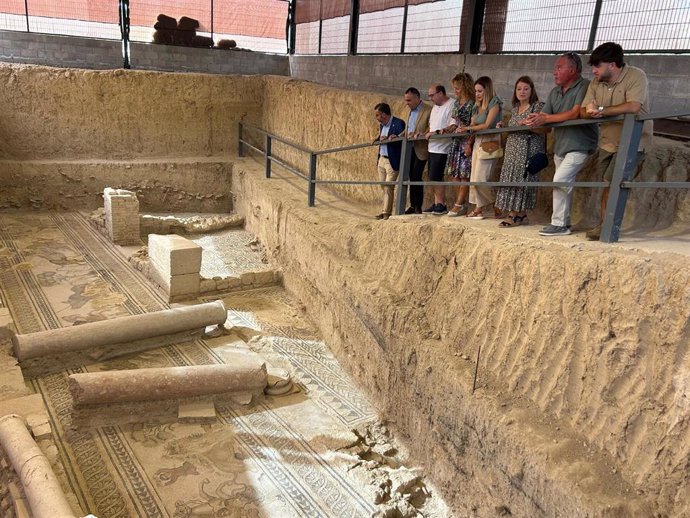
(165, 383)
(118, 330)
(40, 484)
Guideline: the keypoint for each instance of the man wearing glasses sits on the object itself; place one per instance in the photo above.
(572, 145)
(438, 148)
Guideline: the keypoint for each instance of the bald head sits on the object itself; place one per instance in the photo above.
(437, 94)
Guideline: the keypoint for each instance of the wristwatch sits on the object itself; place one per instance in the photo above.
(600, 109)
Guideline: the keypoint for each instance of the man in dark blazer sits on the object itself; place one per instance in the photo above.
(388, 163)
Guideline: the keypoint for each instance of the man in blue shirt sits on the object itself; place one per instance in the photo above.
(388, 163)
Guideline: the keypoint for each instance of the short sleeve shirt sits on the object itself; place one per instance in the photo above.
(630, 86)
(571, 138)
(480, 118)
(440, 118)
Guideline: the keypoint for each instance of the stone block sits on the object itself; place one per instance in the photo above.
(197, 412)
(263, 277)
(42, 431)
(121, 216)
(175, 285)
(6, 323)
(175, 255)
(207, 285)
(247, 278)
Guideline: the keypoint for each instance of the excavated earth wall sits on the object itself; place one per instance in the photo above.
(65, 134)
(583, 405)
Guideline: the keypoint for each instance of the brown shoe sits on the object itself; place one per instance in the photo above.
(594, 234)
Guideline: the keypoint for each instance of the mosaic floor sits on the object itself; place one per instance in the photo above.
(277, 457)
(215, 260)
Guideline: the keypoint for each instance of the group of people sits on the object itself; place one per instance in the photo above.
(616, 89)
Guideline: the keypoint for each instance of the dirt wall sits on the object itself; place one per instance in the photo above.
(51, 113)
(65, 134)
(185, 185)
(582, 406)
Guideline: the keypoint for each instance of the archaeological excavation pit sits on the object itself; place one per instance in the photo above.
(331, 370)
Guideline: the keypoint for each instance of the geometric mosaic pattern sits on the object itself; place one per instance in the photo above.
(266, 459)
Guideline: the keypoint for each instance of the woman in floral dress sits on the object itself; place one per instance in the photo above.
(520, 146)
(460, 154)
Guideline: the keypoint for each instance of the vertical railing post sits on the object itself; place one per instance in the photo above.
(594, 26)
(311, 196)
(267, 154)
(403, 175)
(26, 9)
(124, 31)
(240, 138)
(623, 171)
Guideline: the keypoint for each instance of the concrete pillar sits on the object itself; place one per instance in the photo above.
(166, 383)
(121, 216)
(41, 486)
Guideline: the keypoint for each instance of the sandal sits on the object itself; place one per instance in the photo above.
(514, 221)
(476, 214)
(459, 211)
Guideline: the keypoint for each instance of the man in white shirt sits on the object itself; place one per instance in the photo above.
(438, 148)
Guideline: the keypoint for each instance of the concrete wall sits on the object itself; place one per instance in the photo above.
(76, 52)
(392, 74)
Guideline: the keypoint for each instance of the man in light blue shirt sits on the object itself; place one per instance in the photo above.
(388, 163)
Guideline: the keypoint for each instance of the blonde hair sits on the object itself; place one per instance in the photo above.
(489, 93)
(466, 84)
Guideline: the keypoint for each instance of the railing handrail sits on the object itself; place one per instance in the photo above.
(493, 131)
(619, 186)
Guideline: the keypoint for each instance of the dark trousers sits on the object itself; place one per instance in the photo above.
(416, 171)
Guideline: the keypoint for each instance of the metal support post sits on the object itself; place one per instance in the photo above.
(354, 28)
(267, 154)
(595, 25)
(124, 31)
(240, 138)
(623, 171)
(403, 175)
(311, 197)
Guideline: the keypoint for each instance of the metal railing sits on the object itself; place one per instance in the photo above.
(619, 188)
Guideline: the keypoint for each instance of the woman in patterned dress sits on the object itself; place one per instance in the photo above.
(520, 146)
(460, 154)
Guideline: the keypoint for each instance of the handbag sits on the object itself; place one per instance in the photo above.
(489, 150)
(536, 163)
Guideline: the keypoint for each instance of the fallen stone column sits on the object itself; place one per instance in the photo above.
(165, 383)
(118, 330)
(41, 486)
